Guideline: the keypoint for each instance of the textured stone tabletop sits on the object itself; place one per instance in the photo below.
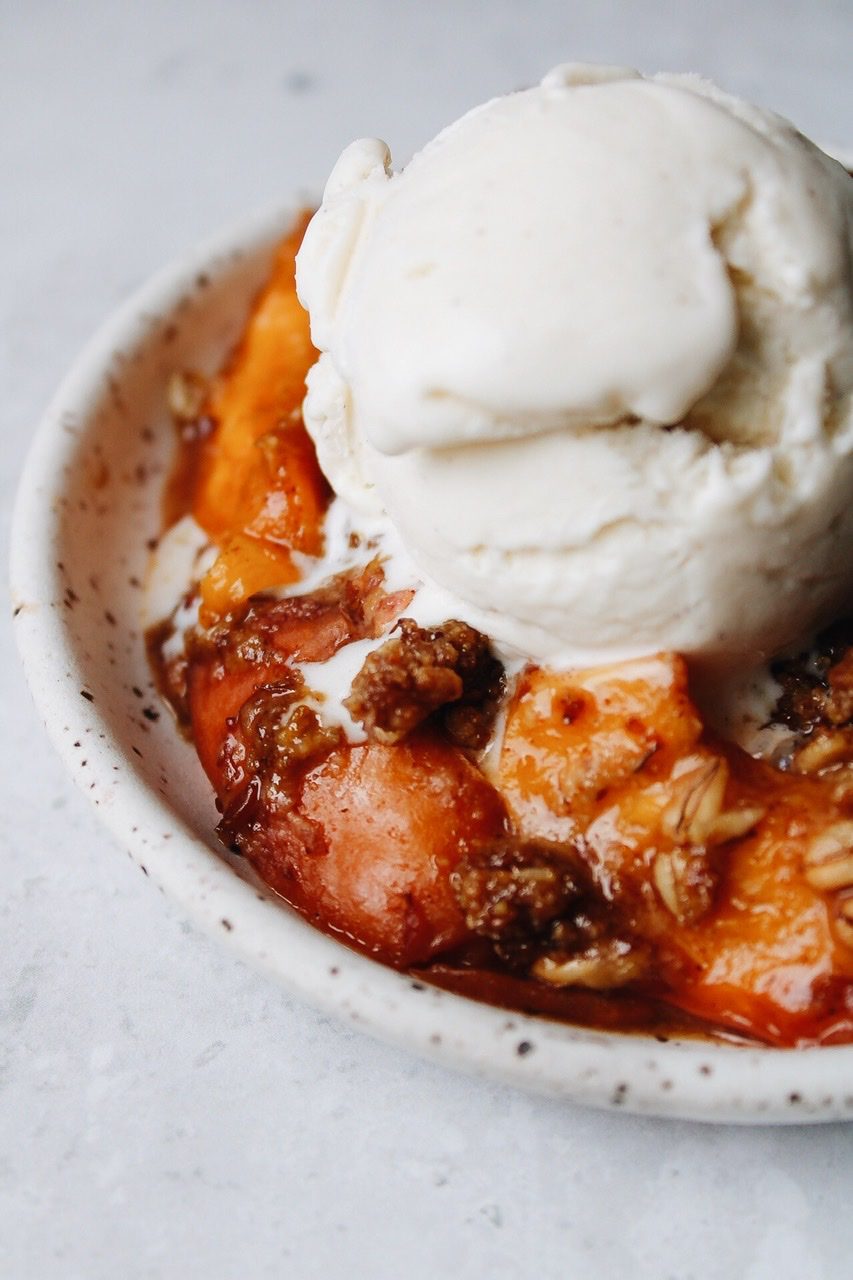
(164, 1112)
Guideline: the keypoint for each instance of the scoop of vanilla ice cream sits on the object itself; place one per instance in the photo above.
(592, 352)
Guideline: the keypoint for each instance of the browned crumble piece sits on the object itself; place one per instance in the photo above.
(421, 671)
(538, 905)
(276, 738)
(817, 686)
(817, 702)
(514, 888)
(270, 745)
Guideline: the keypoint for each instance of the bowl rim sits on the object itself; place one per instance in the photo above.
(699, 1080)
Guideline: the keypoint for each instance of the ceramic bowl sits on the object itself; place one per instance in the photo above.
(87, 512)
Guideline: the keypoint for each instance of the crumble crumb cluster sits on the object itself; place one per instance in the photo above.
(418, 672)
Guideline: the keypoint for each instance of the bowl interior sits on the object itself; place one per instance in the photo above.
(87, 517)
(107, 513)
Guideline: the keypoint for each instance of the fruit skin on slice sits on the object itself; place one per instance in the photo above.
(215, 695)
(366, 843)
(369, 848)
(360, 838)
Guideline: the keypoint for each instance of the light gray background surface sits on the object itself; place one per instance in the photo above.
(163, 1111)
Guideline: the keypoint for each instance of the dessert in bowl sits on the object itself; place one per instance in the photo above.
(459, 687)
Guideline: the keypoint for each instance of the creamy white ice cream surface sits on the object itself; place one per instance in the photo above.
(591, 351)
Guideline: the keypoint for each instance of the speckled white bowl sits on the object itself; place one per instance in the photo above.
(88, 504)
